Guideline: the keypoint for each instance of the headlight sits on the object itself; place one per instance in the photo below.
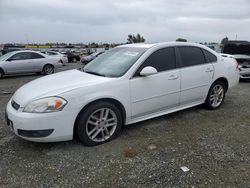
(45, 105)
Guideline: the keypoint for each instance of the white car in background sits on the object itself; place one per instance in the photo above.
(62, 57)
(127, 84)
(28, 61)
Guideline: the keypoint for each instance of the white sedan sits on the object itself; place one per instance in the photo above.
(63, 58)
(128, 84)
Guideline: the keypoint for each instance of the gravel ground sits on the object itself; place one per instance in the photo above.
(214, 145)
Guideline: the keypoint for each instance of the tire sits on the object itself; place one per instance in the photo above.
(74, 60)
(216, 95)
(1, 73)
(48, 69)
(98, 123)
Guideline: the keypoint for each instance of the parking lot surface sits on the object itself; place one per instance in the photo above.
(213, 145)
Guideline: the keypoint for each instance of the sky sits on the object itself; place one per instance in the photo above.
(84, 21)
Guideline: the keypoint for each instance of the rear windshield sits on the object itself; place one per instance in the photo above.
(243, 49)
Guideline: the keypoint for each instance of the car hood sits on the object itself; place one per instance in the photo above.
(54, 85)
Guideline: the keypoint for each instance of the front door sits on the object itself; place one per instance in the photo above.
(157, 92)
(18, 63)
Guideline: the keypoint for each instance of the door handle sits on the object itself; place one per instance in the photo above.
(173, 77)
(209, 70)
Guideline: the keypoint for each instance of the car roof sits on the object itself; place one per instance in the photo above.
(144, 45)
(27, 51)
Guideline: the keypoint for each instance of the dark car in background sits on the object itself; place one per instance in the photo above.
(86, 59)
(241, 52)
(72, 57)
(5, 51)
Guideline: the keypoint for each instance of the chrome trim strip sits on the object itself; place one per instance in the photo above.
(169, 93)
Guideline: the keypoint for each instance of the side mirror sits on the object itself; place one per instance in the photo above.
(147, 71)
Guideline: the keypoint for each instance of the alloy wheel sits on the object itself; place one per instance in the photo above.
(216, 96)
(101, 124)
(48, 69)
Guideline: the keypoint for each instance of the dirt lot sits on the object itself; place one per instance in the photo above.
(214, 145)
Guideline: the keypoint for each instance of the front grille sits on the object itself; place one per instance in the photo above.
(15, 105)
(245, 75)
(35, 133)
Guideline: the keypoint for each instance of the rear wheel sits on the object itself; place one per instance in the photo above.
(99, 123)
(74, 60)
(216, 95)
(48, 69)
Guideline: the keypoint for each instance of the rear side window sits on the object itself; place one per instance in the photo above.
(191, 56)
(209, 56)
(35, 56)
(161, 60)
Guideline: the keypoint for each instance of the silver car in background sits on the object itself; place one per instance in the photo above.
(28, 61)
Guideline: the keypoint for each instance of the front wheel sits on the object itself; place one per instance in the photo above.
(99, 123)
(216, 95)
(48, 69)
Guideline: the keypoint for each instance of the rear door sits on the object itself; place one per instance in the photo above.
(37, 61)
(196, 75)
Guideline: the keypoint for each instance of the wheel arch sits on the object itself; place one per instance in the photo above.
(2, 70)
(49, 64)
(111, 100)
(224, 81)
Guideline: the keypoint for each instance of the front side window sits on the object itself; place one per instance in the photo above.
(161, 60)
(20, 56)
(114, 63)
(191, 56)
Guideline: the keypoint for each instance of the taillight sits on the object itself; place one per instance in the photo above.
(237, 65)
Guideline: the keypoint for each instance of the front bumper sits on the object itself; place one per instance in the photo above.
(65, 60)
(41, 127)
(245, 73)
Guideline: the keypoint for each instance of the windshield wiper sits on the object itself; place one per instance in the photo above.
(94, 73)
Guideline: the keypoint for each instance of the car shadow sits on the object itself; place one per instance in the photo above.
(159, 119)
(21, 75)
(244, 80)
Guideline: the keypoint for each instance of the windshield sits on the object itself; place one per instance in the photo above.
(6, 56)
(114, 63)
